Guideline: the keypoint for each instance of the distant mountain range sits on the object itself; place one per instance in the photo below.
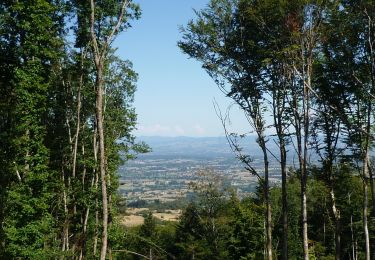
(207, 147)
(184, 147)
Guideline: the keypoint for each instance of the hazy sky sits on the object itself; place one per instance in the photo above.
(175, 95)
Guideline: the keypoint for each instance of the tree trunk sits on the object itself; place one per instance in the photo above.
(304, 222)
(65, 244)
(372, 190)
(87, 211)
(302, 158)
(302, 155)
(95, 146)
(336, 215)
(368, 174)
(372, 213)
(102, 160)
(279, 103)
(352, 236)
(365, 176)
(284, 203)
(284, 195)
(100, 50)
(78, 127)
(365, 212)
(267, 200)
(306, 125)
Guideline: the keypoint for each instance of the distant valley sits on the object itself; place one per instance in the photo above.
(166, 173)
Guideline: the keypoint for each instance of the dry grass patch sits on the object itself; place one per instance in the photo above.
(169, 215)
(132, 220)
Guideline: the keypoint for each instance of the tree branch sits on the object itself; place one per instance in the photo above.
(124, 5)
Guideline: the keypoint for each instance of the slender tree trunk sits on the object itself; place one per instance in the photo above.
(99, 85)
(365, 221)
(284, 201)
(304, 221)
(365, 213)
(84, 234)
(283, 155)
(87, 211)
(95, 146)
(76, 140)
(269, 226)
(335, 211)
(352, 236)
(365, 181)
(100, 50)
(372, 190)
(304, 204)
(324, 230)
(372, 213)
(266, 188)
(65, 244)
(96, 236)
(101, 40)
(279, 103)
(369, 176)
(98, 59)
(78, 127)
(306, 127)
(284, 194)
(336, 215)
(66, 186)
(302, 155)
(102, 160)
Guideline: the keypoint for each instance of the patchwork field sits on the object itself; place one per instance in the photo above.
(135, 218)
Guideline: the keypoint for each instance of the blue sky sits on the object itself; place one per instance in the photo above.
(174, 95)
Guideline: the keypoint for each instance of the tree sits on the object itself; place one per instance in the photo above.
(30, 44)
(203, 229)
(216, 41)
(105, 22)
(350, 41)
(247, 227)
(49, 150)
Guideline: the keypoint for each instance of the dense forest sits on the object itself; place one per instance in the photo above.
(302, 72)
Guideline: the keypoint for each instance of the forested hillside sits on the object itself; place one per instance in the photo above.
(66, 100)
(301, 71)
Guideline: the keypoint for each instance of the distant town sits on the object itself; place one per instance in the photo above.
(167, 173)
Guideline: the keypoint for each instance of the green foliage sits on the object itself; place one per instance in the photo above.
(319, 54)
(148, 228)
(239, 224)
(246, 240)
(48, 187)
(31, 45)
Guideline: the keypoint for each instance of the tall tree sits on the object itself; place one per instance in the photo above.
(233, 58)
(304, 21)
(327, 136)
(31, 43)
(50, 197)
(106, 21)
(351, 42)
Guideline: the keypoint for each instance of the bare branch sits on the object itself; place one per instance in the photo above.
(124, 5)
(93, 34)
(236, 149)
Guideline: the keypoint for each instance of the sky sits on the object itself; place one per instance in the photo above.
(174, 94)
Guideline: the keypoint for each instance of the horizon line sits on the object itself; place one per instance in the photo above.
(184, 136)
